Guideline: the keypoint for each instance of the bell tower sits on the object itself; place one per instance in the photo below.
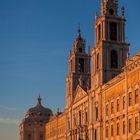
(78, 69)
(110, 48)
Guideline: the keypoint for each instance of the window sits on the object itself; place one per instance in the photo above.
(96, 113)
(95, 134)
(130, 125)
(80, 117)
(112, 130)
(113, 31)
(48, 115)
(111, 12)
(123, 127)
(71, 65)
(114, 59)
(74, 120)
(136, 96)
(80, 50)
(41, 114)
(86, 117)
(112, 107)
(86, 137)
(123, 102)
(99, 32)
(29, 136)
(118, 105)
(81, 65)
(107, 110)
(97, 61)
(41, 137)
(130, 98)
(136, 123)
(118, 129)
(106, 131)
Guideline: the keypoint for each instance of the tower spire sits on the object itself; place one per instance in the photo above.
(79, 31)
(39, 100)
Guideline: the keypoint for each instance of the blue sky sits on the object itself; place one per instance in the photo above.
(35, 38)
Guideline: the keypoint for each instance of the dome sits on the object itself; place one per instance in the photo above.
(38, 114)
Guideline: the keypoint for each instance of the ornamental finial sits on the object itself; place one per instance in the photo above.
(79, 30)
(123, 10)
(39, 100)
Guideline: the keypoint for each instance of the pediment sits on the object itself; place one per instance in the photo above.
(80, 93)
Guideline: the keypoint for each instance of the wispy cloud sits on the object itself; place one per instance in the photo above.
(8, 108)
(9, 121)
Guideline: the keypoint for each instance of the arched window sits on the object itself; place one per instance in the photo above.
(97, 61)
(114, 59)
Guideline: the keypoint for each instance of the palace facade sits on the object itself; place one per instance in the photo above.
(102, 100)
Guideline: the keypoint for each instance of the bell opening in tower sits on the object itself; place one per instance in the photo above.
(80, 50)
(111, 12)
(113, 31)
(81, 65)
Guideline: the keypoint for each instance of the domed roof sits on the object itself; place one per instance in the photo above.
(38, 113)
